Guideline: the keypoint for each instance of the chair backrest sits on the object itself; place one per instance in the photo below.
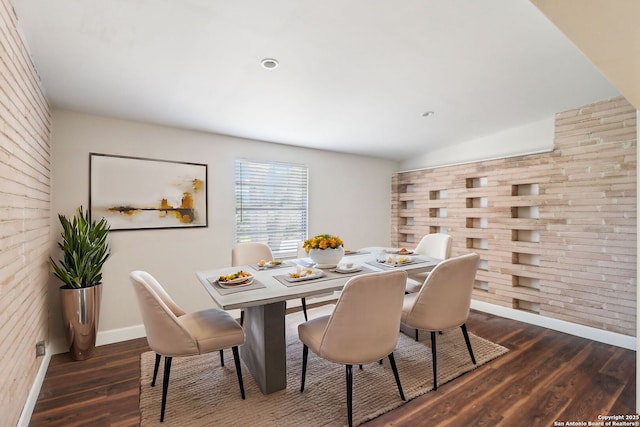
(165, 334)
(365, 322)
(444, 299)
(435, 245)
(249, 253)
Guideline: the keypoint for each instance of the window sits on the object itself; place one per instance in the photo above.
(271, 205)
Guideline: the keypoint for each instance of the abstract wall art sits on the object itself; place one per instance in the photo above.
(135, 193)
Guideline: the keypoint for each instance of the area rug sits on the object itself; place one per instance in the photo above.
(203, 393)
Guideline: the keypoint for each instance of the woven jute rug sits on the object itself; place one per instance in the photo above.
(203, 393)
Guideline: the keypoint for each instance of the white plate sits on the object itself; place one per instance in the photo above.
(344, 269)
(314, 275)
(235, 281)
(246, 282)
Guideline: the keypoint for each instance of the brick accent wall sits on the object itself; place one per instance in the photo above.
(556, 232)
(24, 218)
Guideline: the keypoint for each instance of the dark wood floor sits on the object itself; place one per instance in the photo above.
(547, 377)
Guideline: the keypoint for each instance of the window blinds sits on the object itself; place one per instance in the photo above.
(271, 205)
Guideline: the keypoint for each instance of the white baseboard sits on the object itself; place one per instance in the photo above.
(613, 338)
(121, 334)
(103, 338)
(32, 398)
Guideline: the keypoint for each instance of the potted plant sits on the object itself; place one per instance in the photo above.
(325, 250)
(85, 250)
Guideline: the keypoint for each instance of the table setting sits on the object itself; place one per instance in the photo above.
(271, 265)
(306, 274)
(235, 282)
(388, 260)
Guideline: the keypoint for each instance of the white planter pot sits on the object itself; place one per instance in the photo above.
(327, 258)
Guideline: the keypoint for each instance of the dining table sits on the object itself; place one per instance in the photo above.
(263, 299)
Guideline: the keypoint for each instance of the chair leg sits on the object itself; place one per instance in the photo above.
(433, 358)
(466, 339)
(241, 317)
(392, 361)
(236, 360)
(304, 308)
(417, 334)
(349, 394)
(165, 385)
(305, 354)
(221, 357)
(155, 369)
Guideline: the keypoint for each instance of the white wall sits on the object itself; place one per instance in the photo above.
(531, 138)
(348, 196)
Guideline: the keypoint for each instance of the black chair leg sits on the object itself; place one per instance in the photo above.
(417, 334)
(165, 385)
(155, 370)
(433, 358)
(236, 360)
(241, 317)
(349, 394)
(304, 308)
(466, 339)
(392, 361)
(305, 354)
(221, 357)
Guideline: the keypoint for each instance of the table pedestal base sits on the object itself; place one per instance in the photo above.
(264, 351)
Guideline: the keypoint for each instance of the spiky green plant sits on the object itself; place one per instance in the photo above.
(85, 250)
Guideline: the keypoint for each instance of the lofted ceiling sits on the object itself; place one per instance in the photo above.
(607, 33)
(354, 75)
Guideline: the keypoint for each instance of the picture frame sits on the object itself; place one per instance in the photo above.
(137, 193)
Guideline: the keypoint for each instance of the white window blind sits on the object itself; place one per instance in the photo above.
(271, 205)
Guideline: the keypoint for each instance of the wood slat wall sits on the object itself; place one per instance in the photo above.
(556, 232)
(25, 125)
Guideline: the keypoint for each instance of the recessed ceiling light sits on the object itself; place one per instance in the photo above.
(428, 114)
(269, 63)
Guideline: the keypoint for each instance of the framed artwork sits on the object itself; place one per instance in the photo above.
(135, 193)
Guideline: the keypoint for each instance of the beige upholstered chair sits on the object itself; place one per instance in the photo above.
(444, 301)
(253, 252)
(250, 253)
(363, 327)
(434, 245)
(173, 333)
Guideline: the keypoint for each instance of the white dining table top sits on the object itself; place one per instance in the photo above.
(275, 291)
